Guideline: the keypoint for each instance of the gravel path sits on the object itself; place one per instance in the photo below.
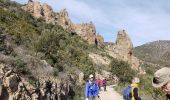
(110, 94)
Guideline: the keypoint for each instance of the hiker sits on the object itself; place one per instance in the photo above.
(98, 82)
(104, 83)
(161, 80)
(92, 89)
(134, 85)
(131, 92)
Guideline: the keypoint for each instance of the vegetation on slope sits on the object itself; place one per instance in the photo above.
(157, 52)
(122, 70)
(58, 47)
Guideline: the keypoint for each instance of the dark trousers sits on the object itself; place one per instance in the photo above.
(104, 86)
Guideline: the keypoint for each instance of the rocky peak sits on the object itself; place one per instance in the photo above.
(124, 40)
(35, 8)
(30, 0)
(123, 49)
(100, 40)
(47, 13)
(124, 45)
(62, 19)
(85, 30)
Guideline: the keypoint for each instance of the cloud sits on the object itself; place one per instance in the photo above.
(144, 20)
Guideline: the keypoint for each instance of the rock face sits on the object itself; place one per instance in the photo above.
(86, 30)
(63, 20)
(100, 40)
(14, 87)
(48, 13)
(124, 46)
(99, 60)
(123, 49)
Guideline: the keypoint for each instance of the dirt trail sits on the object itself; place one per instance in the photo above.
(110, 94)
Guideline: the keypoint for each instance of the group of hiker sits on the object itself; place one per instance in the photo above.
(161, 79)
(101, 83)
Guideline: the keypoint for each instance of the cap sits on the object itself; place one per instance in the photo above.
(161, 77)
(91, 76)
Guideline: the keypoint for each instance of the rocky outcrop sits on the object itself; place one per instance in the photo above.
(123, 50)
(100, 40)
(62, 19)
(48, 13)
(15, 87)
(86, 30)
(124, 46)
(99, 60)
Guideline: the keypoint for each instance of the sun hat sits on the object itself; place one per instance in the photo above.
(161, 77)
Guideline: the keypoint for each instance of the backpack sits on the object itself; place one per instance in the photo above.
(127, 93)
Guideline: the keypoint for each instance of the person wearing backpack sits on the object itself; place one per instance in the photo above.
(131, 92)
(134, 85)
(91, 89)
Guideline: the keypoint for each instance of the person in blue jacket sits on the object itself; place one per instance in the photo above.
(91, 89)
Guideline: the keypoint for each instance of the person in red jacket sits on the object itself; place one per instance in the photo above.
(98, 83)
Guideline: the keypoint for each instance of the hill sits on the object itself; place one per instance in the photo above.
(157, 52)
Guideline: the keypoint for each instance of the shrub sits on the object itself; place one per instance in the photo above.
(122, 70)
(56, 71)
(146, 88)
(21, 67)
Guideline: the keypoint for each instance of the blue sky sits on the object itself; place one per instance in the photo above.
(143, 20)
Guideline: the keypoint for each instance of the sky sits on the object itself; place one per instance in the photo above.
(144, 20)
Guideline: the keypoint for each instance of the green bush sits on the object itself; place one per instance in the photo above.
(56, 71)
(146, 88)
(122, 70)
(31, 82)
(79, 91)
(21, 67)
(21, 30)
(62, 48)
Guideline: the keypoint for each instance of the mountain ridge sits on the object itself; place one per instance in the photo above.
(157, 52)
